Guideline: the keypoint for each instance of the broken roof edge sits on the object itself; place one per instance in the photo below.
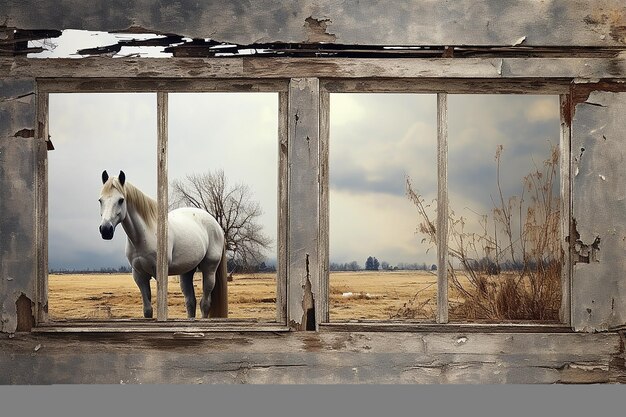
(16, 42)
(353, 22)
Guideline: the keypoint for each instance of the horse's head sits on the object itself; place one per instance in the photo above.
(112, 204)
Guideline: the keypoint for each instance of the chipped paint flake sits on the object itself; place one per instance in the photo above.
(317, 30)
(520, 41)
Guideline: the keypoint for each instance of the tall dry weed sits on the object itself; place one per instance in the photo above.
(511, 268)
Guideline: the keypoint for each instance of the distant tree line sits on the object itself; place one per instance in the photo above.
(491, 267)
(246, 267)
(123, 269)
(348, 266)
(373, 264)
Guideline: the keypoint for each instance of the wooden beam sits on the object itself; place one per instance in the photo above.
(195, 356)
(41, 228)
(189, 85)
(449, 85)
(283, 206)
(303, 212)
(442, 208)
(323, 315)
(567, 241)
(255, 67)
(162, 189)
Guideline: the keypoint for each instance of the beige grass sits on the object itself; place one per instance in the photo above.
(389, 292)
(74, 296)
(250, 296)
(402, 295)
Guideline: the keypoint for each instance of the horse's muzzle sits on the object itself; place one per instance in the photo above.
(106, 230)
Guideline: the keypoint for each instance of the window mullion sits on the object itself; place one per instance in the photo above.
(162, 204)
(442, 207)
(567, 226)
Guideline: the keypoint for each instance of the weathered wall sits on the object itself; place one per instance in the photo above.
(310, 357)
(378, 22)
(17, 201)
(599, 208)
(599, 191)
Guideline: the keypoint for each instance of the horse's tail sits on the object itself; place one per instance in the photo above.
(219, 295)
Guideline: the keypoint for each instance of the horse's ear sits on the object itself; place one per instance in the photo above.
(122, 178)
(105, 177)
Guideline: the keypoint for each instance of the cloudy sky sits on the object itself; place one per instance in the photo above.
(376, 142)
(94, 132)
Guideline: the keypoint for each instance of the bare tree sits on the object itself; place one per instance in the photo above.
(233, 208)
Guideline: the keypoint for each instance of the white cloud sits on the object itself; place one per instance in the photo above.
(346, 109)
(543, 109)
(363, 225)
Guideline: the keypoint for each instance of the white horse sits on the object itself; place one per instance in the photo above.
(195, 241)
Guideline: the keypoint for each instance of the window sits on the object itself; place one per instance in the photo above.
(226, 144)
(380, 268)
(90, 277)
(483, 187)
(228, 132)
(504, 220)
(304, 251)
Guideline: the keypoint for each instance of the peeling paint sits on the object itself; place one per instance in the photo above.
(25, 133)
(594, 104)
(618, 33)
(317, 30)
(611, 21)
(577, 160)
(519, 41)
(17, 98)
(308, 300)
(586, 253)
(17, 231)
(582, 252)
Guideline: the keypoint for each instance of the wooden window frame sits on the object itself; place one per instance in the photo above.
(304, 88)
(442, 88)
(161, 88)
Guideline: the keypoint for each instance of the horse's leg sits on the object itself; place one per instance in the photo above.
(143, 282)
(186, 286)
(208, 269)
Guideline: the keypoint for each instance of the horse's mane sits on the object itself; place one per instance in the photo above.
(145, 206)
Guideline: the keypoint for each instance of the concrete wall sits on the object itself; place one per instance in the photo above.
(17, 201)
(599, 209)
(598, 297)
(376, 22)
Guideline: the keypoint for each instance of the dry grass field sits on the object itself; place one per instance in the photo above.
(383, 295)
(353, 295)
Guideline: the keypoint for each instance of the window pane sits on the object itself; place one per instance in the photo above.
(90, 277)
(505, 255)
(380, 267)
(230, 137)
